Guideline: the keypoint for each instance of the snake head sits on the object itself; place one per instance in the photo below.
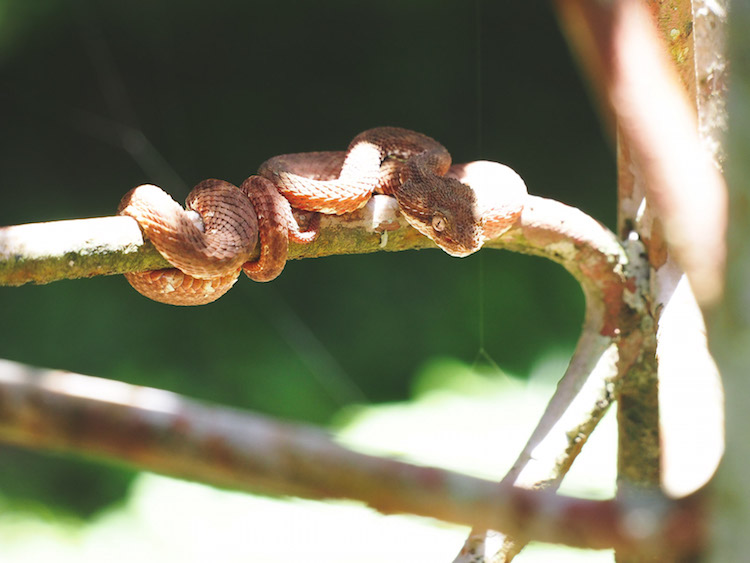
(444, 210)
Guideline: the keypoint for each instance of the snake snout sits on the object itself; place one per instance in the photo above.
(460, 244)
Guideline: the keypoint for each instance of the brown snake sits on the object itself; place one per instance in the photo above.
(457, 207)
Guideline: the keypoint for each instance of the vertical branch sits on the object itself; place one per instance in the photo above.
(594, 256)
(729, 325)
(672, 215)
(691, 397)
(711, 68)
(689, 388)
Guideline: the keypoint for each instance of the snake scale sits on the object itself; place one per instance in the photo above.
(210, 242)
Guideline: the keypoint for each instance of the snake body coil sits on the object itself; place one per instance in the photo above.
(210, 243)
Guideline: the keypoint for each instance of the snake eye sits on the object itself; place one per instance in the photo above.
(438, 222)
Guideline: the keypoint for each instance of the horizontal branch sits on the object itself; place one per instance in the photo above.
(160, 431)
(80, 248)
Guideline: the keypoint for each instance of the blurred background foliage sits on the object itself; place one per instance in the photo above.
(97, 97)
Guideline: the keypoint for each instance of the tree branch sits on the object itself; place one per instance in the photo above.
(672, 204)
(52, 251)
(160, 431)
(629, 67)
(47, 252)
(590, 252)
(606, 349)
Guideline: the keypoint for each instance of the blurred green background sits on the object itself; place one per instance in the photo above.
(97, 97)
